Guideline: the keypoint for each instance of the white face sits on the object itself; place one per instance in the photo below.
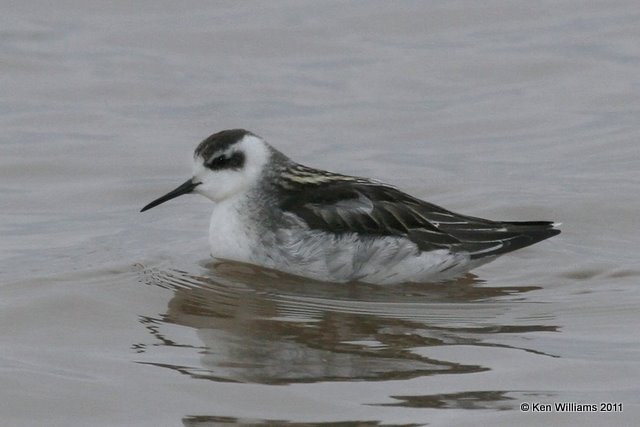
(232, 171)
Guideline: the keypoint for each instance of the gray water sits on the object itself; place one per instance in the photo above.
(506, 110)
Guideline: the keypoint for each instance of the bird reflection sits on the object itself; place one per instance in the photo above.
(263, 326)
(210, 421)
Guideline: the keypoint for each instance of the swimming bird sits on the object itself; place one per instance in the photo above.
(273, 212)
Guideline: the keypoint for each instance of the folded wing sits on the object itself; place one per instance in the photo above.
(380, 210)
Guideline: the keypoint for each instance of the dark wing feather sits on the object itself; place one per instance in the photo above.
(374, 209)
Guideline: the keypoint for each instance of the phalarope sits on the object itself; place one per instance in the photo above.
(273, 212)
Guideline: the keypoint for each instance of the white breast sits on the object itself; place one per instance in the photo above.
(229, 236)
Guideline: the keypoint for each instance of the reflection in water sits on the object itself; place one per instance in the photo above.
(490, 399)
(261, 326)
(209, 421)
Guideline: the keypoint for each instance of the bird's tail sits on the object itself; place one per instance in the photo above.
(511, 236)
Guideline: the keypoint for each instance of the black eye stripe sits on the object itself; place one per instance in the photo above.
(235, 161)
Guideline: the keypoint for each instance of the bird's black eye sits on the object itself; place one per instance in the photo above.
(234, 161)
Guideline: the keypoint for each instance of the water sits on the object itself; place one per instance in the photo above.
(508, 110)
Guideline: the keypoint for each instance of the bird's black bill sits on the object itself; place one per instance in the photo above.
(185, 188)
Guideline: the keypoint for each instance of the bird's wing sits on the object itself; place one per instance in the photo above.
(374, 209)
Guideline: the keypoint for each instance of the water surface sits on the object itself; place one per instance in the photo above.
(507, 110)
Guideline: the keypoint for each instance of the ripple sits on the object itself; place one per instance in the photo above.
(286, 329)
